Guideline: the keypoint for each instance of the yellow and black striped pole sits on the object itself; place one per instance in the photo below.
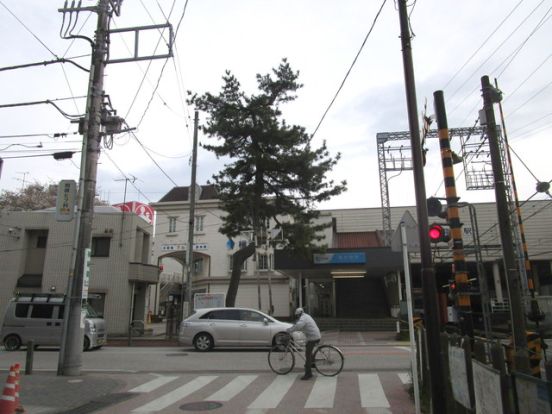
(535, 314)
(463, 301)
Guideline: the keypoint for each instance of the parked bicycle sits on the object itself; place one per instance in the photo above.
(328, 359)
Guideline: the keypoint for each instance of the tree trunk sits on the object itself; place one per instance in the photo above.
(237, 261)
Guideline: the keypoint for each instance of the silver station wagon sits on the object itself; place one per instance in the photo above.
(229, 327)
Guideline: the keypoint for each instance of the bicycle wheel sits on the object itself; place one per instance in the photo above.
(328, 360)
(281, 359)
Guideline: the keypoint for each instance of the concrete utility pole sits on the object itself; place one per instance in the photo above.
(491, 95)
(429, 288)
(192, 200)
(71, 357)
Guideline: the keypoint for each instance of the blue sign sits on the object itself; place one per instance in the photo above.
(340, 258)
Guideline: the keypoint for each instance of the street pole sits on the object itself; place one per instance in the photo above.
(191, 199)
(491, 95)
(453, 218)
(74, 329)
(429, 288)
(407, 281)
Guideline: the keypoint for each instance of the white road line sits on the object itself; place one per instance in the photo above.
(360, 339)
(271, 397)
(323, 393)
(153, 384)
(233, 388)
(405, 377)
(371, 392)
(176, 395)
(404, 348)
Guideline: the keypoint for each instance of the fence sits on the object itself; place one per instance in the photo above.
(480, 376)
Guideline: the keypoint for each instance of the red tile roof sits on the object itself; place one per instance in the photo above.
(355, 240)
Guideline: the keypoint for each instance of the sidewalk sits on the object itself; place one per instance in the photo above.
(46, 393)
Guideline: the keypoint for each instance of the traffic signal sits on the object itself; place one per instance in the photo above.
(439, 233)
(435, 208)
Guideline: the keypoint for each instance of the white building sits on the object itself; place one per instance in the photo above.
(35, 252)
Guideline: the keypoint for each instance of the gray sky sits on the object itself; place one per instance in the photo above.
(455, 44)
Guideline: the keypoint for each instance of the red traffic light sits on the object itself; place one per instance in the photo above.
(438, 233)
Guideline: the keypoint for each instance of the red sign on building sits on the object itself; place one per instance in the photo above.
(141, 209)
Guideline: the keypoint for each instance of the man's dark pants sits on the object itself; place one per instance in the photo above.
(309, 357)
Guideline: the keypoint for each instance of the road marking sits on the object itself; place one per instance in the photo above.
(271, 397)
(176, 395)
(371, 392)
(153, 384)
(405, 377)
(323, 393)
(233, 388)
(360, 339)
(404, 348)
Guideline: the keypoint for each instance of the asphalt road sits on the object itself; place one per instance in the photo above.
(187, 360)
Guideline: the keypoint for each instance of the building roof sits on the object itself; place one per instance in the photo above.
(208, 192)
(354, 240)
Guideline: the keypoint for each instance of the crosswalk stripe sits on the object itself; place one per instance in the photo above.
(153, 384)
(404, 348)
(233, 388)
(371, 392)
(323, 393)
(405, 377)
(176, 395)
(271, 397)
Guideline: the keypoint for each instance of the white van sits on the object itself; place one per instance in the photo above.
(39, 317)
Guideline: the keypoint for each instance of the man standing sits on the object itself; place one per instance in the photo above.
(307, 325)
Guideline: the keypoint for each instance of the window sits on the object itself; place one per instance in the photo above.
(41, 242)
(198, 266)
(263, 261)
(223, 314)
(198, 224)
(100, 246)
(247, 315)
(42, 311)
(21, 310)
(172, 224)
(243, 268)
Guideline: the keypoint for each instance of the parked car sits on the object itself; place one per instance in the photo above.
(229, 327)
(39, 318)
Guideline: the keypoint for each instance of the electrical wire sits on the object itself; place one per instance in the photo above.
(350, 69)
(483, 44)
(29, 30)
(489, 56)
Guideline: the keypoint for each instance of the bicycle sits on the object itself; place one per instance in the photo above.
(327, 360)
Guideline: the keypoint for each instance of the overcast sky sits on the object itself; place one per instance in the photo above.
(455, 44)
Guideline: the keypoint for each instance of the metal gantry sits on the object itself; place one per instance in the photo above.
(398, 158)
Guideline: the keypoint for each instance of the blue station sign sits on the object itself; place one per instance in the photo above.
(340, 258)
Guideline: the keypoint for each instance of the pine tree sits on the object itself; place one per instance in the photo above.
(273, 173)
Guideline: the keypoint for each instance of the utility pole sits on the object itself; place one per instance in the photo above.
(491, 95)
(429, 288)
(191, 199)
(71, 356)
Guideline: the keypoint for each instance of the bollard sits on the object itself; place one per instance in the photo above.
(29, 358)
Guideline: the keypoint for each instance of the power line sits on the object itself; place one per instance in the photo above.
(483, 44)
(350, 69)
(489, 56)
(29, 30)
